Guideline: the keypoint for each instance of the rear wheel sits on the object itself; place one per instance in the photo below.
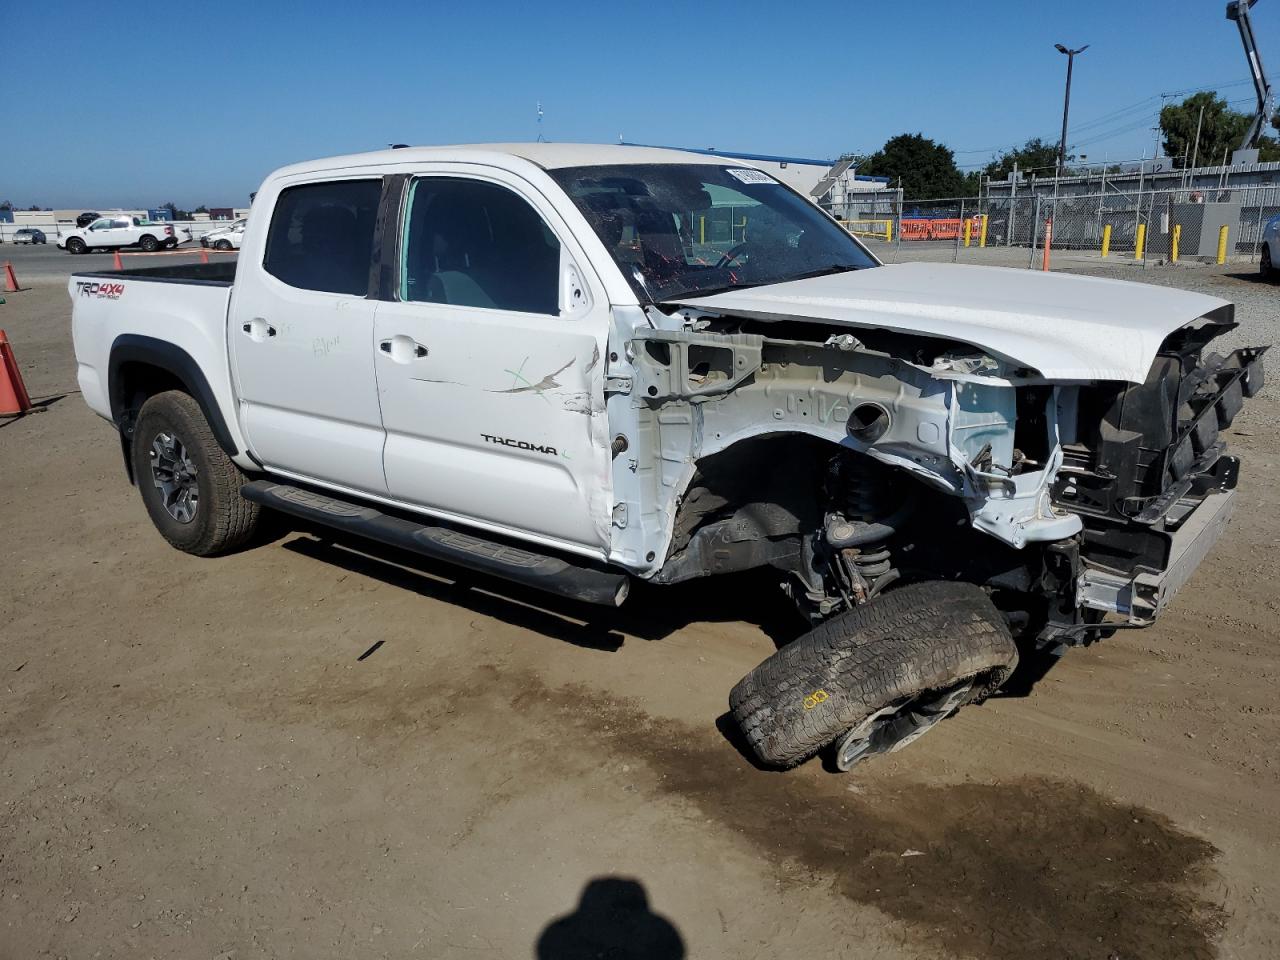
(76, 245)
(189, 485)
(148, 244)
(876, 678)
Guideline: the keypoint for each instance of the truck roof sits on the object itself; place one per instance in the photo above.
(550, 156)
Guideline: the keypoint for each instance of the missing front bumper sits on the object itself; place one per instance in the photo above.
(1141, 597)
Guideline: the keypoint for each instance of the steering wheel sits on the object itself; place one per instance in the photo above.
(731, 255)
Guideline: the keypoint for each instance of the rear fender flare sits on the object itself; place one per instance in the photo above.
(132, 348)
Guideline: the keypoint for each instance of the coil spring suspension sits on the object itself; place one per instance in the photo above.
(866, 510)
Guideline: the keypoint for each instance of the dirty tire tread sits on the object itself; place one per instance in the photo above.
(225, 519)
(920, 637)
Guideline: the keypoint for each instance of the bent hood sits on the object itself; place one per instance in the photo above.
(1066, 327)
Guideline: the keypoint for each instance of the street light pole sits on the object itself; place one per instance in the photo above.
(1066, 103)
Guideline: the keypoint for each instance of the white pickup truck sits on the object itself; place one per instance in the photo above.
(116, 231)
(575, 366)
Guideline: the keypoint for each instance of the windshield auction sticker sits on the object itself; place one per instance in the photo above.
(749, 176)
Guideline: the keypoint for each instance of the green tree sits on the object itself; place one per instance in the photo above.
(926, 169)
(1221, 131)
(1035, 155)
(202, 209)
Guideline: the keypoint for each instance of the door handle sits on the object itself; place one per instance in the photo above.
(258, 329)
(403, 349)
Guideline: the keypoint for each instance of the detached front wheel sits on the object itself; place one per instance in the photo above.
(876, 678)
(189, 485)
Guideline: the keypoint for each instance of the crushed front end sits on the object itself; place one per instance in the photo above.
(1146, 470)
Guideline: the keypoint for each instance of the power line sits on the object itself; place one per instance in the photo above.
(1114, 115)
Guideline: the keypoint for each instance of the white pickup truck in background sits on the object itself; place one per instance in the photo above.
(575, 366)
(119, 230)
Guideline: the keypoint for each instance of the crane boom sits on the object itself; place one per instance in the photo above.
(1238, 10)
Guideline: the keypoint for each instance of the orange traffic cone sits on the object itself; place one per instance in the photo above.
(204, 255)
(10, 281)
(13, 392)
(118, 264)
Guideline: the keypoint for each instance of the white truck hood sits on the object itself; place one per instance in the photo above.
(1065, 327)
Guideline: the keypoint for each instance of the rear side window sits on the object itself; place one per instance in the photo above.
(475, 244)
(321, 236)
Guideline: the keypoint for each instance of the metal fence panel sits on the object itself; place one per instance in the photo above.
(1153, 226)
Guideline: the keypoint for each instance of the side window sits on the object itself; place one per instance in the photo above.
(321, 236)
(103, 224)
(119, 224)
(475, 244)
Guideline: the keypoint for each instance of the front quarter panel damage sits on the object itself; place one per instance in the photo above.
(693, 394)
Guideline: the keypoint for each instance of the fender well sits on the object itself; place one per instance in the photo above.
(140, 367)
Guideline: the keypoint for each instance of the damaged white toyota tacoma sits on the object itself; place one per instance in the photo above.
(577, 366)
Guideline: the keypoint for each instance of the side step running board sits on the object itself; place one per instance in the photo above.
(536, 570)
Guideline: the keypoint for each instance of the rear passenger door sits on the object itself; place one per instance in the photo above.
(301, 334)
(489, 363)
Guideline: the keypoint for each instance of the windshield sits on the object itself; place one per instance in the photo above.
(680, 230)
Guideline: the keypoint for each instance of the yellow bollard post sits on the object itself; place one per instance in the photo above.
(968, 231)
(888, 231)
(1106, 239)
(1177, 235)
(1222, 243)
(982, 233)
(1140, 245)
(702, 229)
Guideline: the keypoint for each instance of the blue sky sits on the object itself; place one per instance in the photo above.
(140, 103)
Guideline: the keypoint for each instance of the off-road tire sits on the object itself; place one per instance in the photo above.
(76, 246)
(919, 638)
(223, 519)
(149, 244)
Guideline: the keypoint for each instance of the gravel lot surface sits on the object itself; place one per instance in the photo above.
(306, 750)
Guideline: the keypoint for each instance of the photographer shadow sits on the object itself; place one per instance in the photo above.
(612, 920)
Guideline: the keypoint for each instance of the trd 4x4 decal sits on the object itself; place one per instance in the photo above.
(109, 291)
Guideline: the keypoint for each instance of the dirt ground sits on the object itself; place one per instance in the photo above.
(305, 750)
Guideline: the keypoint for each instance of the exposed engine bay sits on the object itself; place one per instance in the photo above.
(855, 462)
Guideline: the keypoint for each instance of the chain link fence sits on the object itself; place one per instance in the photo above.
(1149, 226)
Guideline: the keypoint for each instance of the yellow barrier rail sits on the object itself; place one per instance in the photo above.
(879, 229)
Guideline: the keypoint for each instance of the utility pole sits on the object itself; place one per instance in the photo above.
(1066, 103)
(1195, 153)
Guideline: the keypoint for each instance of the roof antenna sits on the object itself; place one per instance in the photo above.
(541, 138)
